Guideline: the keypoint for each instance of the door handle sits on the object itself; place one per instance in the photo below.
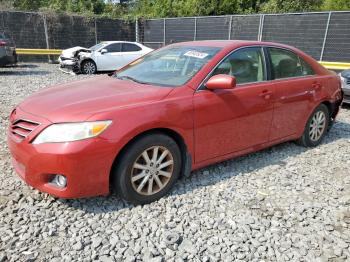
(266, 94)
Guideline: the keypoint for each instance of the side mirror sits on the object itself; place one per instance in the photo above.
(103, 51)
(221, 82)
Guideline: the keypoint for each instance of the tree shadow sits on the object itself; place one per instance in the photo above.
(276, 155)
(24, 73)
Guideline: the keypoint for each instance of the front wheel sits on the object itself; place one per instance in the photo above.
(316, 127)
(147, 169)
(88, 67)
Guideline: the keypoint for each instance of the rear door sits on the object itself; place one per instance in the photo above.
(232, 120)
(295, 84)
(131, 52)
(112, 60)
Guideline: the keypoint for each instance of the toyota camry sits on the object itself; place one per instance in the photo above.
(177, 109)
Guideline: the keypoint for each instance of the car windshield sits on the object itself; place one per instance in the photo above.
(96, 47)
(172, 66)
(2, 36)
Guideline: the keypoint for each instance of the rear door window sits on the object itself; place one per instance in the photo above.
(127, 47)
(306, 68)
(285, 64)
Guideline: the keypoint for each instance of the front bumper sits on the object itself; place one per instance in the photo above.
(86, 163)
(69, 63)
(8, 59)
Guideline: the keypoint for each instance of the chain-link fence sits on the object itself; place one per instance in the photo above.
(53, 31)
(323, 35)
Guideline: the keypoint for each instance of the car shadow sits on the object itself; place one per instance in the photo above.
(275, 155)
(346, 106)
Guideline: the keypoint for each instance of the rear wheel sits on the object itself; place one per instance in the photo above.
(316, 127)
(88, 67)
(147, 169)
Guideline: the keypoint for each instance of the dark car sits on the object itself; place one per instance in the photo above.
(345, 79)
(8, 54)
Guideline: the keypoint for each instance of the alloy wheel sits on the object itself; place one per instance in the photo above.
(152, 170)
(317, 126)
(89, 68)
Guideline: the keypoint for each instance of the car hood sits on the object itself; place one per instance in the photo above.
(71, 52)
(79, 100)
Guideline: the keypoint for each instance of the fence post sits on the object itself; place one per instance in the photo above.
(137, 39)
(261, 27)
(46, 36)
(95, 30)
(164, 30)
(195, 29)
(229, 28)
(325, 35)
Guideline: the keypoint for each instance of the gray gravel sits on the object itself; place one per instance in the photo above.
(286, 203)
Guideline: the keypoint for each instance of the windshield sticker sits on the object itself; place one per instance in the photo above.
(196, 54)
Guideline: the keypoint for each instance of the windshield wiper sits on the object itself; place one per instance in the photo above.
(130, 78)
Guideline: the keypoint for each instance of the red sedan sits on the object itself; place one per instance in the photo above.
(177, 109)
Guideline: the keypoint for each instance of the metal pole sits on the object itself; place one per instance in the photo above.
(46, 36)
(164, 31)
(137, 39)
(95, 31)
(261, 27)
(325, 35)
(195, 29)
(229, 28)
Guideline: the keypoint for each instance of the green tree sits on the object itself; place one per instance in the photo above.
(336, 5)
(27, 5)
(281, 6)
(174, 8)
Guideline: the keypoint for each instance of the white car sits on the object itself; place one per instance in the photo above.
(345, 81)
(105, 56)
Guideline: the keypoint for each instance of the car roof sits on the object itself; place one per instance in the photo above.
(116, 42)
(232, 44)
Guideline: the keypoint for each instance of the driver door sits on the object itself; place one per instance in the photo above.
(111, 60)
(232, 120)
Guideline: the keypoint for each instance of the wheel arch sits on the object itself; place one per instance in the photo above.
(88, 59)
(180, 141)
(333, 108)
(332, 112)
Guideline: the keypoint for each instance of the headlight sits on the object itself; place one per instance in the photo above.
(342, 79)
(68, 132)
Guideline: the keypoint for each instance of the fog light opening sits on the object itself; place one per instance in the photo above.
(59, 180)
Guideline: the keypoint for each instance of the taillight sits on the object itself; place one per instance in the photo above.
(3, 43)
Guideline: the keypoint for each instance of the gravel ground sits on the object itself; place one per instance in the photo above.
(286, 203)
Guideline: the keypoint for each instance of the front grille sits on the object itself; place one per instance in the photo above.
(347, 81)
(21, 128)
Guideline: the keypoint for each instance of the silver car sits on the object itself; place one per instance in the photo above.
(345, 80)
(8, 54)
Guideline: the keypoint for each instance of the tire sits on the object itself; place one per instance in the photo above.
(311, 137)
(88, 67)
(133, 173)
